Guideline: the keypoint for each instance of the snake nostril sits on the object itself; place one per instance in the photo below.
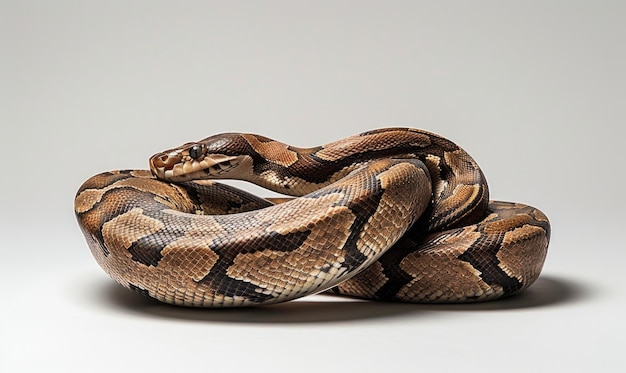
(160, 160)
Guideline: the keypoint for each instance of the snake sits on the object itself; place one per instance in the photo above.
(392, 214)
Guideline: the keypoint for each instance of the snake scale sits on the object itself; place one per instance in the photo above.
(394, 214)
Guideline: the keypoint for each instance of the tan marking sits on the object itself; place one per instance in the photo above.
(463, 190)
(462, 197)
(366, 283)
(305, 214)
(523, 252)
(490, 217)
(314, 266)
(170, 195)
(373, 142)
(273, 151)
(407, 194)
(434, 167)
(464, 166)
(141, 173)
(298, 187)
(540, 216)
(184, 261)
(438, 274)
(104, 179)
(188, 257)
(123, 230)
(508, 224)
(87, 199)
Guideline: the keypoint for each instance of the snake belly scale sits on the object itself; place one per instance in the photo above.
(395, 214)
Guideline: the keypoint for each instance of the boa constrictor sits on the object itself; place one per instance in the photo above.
(395, 214)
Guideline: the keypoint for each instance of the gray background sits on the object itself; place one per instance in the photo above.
(535, 90)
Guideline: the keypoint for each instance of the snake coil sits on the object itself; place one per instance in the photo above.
(395, 214)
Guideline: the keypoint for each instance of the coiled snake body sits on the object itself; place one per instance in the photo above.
(395, 214)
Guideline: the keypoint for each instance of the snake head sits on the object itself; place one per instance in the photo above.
(212, 158)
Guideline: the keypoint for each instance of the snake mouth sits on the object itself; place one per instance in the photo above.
(177, 167)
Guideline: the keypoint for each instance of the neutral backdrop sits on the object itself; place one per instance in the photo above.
(534, 90)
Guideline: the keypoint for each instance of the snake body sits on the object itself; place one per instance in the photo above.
(394, 214)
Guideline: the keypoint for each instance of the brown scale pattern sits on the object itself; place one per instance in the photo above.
(200, 243)
(189, 248)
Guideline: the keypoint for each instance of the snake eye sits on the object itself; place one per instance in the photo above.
(195, 151)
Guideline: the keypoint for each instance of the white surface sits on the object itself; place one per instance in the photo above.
(534, 90)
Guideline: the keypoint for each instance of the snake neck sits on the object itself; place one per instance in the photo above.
(460, 192)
